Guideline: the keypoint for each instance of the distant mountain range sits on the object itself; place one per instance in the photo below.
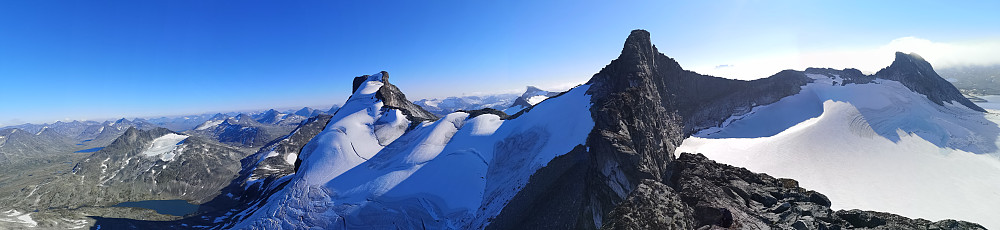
(974, 80)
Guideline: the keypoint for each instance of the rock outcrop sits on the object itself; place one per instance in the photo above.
(395, 99)
(704, 194)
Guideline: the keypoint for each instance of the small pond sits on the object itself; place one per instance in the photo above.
(168, 207)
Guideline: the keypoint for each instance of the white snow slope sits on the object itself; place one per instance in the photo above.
(875, 147)
(17, 217)
(366, 171)
(163, 147)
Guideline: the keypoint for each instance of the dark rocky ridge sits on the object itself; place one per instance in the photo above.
(644, 105)
(476, 113)
(918, 75)
(706, 194)
(392, 98)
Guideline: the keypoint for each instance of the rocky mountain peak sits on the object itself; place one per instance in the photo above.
(638, 46)
(219, 116)
(393, 98)
(532, 89)
(305, 112)
(918, 75)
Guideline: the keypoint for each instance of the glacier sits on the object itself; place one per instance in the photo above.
(872, 147)
(372, 167)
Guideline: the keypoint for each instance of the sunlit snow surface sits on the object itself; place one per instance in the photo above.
(17, 217)
(874, 147)
(365, 170)
(163, 147)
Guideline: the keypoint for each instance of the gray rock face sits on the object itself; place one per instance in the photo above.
(918, 75)
(704, 194)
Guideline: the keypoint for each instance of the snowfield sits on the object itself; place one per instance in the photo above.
(17, 217)
(163, 147)
(366, 170)
(208, 124)
(873, 147)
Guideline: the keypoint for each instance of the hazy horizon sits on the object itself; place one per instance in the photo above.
(86, 61)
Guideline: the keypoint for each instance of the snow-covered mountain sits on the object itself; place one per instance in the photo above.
(530, 97)
(309, 112)
(879, 144)
(180, 123)
(244, 130)
(273, 117)
(601, 155)
(442, 107)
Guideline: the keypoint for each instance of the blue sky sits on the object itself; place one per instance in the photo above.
(106, 59)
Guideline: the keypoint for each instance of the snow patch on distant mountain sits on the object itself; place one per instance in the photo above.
(531, 96)
(17, 217)
(208, 124)
(164, 146)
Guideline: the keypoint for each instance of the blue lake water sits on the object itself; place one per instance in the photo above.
(168, 207)
(90, 150)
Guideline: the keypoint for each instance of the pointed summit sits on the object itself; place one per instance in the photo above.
(638, 45)
(918, 75)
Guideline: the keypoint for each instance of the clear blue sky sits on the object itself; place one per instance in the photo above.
(104, 59)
